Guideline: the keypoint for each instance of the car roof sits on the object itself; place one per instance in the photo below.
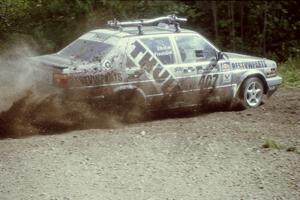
(147, 30)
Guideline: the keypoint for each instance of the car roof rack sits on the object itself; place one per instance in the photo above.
(170, 19)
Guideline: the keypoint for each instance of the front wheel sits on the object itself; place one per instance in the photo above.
(251, 93)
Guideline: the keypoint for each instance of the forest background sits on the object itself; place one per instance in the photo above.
(261, 28)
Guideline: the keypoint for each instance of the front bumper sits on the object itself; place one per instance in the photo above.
(273, 84)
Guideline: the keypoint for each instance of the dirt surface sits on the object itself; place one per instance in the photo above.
(211, 155)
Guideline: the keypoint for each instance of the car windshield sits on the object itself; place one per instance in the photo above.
(90, 47)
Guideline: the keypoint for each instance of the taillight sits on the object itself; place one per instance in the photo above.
(60, 80)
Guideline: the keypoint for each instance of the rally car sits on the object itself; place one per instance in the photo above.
(155, 64)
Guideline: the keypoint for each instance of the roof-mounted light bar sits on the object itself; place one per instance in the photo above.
(171, 19)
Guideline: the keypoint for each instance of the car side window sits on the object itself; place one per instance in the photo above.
(161, 48)
(193, 49)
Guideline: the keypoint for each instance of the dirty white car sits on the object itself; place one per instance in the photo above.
(137, 64)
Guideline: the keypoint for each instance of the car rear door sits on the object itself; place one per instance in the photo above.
(149, 59)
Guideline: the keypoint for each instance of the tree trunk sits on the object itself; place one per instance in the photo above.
(264, 31)
(242, 19)
(232, 24)
(215, 18)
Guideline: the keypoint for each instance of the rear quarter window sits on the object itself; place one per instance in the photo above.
(87, 50)
(90, 47)
(161, 48)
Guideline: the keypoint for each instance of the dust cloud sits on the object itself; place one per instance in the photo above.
(16, 75)
(27, 107)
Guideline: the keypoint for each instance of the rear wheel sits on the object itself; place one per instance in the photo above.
(251, 93)
(130, 106)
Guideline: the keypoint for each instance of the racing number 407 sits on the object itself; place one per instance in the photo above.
(208, 81)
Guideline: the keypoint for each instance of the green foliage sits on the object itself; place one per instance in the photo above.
(263, 28)
(272, 145)
(290, 72)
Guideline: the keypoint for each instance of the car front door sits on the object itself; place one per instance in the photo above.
(198, 73)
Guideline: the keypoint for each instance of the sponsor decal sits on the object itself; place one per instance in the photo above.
(163, 50)
(153, 67)
(107, 65)
(195, 70)
(184, 70)
(227, 78)
(189, 70)
(249, 65)
(178, 70)
(95, 79)
(225, 67)
(199, 69)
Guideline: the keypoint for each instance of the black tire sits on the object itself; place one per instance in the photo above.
(130, 107)
(251, 93)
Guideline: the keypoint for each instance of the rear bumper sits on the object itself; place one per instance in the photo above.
(273, 84)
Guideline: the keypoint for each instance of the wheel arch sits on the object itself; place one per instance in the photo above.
(248, 75)
(130, 89)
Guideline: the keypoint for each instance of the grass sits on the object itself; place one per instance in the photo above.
(290, 72)
(272, 144)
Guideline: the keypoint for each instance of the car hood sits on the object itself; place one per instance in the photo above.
(241, 57)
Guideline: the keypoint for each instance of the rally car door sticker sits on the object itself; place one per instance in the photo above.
(162, 78)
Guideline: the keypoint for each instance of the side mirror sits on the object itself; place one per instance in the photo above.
(219, 55)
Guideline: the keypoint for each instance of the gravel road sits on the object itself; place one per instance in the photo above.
(211, 155)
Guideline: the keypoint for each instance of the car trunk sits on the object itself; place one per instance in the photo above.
(49, 69)
(52, 60)
(86, 52)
